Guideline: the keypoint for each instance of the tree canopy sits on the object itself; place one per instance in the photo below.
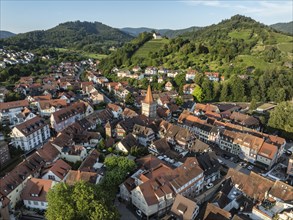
(282, 117)
(80, 201)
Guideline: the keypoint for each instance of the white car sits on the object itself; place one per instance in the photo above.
(250, 167)
(138, 212)
(210, 185)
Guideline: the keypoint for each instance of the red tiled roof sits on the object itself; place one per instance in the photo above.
(36, 189)
(74, 109)
(77, 175)
(14, 104)
(48, 152)
(60, 168)
(268, 150)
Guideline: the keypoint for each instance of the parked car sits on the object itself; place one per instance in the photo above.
(250, 167)
(226, 156)
(210, 185)
(220, 161)
(236, 160)
(288, 152)
(138, 212)
(243, 164)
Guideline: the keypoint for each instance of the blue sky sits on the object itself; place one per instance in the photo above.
(22, 16)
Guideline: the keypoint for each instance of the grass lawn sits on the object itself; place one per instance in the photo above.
(248, 60)
(282, 38)
(243, 34)
(286, 47)
(84, 53)
(150, 46)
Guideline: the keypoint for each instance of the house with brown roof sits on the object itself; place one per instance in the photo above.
(162, 147)
(56, 171)
(143, 134)
(91, 163)
(49, 153)
(156, 188)
(190, 75)
(12, 184)
(188, 88)
(48, 107)
(212, 76)
(35, 192)
(245, 120)
(24, 115)
(69, 96)
(30, 134)
(76, 175)
(97, 97)
(264, 192)
(26, 79)
(267, 155)
(116, 109)
(127, 143)
(74, 153)
(66, 116)
(8, 110)
(128, 113)
(184, 208)
(282, 192)
(180, 137)
(213, 212)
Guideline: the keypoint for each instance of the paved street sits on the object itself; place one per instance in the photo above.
(231, 164)
(125, 213)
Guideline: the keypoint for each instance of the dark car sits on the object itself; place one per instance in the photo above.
(226, 156)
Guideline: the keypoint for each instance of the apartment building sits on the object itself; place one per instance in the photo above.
(30, 134)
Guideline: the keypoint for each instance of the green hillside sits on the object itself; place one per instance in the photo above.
(239, 42)
(89, 36)
(151, 46)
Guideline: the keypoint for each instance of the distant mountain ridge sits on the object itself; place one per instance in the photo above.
(88, 36)
(164, 32)
(6, 34)
(286, 27)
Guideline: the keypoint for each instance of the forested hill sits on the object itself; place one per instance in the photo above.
(88, 36)
(284, 27)
(6, 34)
(239, 43)
(163, 32)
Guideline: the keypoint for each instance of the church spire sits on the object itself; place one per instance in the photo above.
(149, 96)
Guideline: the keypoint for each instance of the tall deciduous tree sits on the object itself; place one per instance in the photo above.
(224, 92)
(197, 93)
(80, 201)
(282, 117)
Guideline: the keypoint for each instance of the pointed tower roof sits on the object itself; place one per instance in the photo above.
(149, 96)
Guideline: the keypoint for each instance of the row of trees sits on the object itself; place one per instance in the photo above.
(272, 85)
